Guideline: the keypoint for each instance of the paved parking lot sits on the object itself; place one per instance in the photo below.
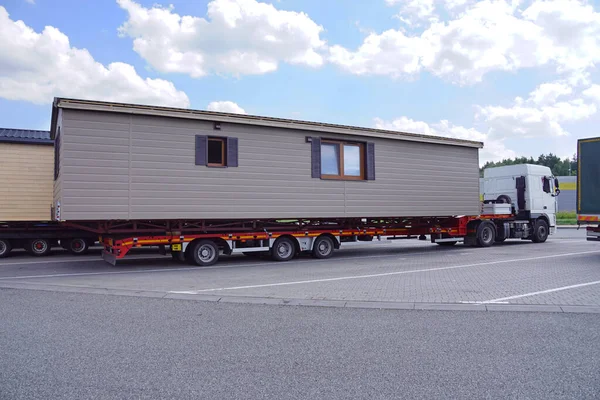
(562, 275)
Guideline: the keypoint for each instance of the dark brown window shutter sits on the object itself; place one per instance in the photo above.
(201, 149)
(315, 152)
(57, 155)
(232, 152)
(370, 156)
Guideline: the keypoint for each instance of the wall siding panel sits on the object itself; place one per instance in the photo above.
(26, 182)
(143, 167)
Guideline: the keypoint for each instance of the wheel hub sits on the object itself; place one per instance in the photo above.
(206, 253)
(283, 250)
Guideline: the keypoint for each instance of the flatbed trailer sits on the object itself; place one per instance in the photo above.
(282, 241)
(39, 237)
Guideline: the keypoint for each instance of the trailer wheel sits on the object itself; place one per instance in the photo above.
(486, 234)
(283, 249)
(77, 246)
(5, 248)
(540, 231)
(39, 247)
(323, 247)
(205, 253)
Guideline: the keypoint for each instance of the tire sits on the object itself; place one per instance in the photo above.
(39, 247)
(204, 253)
(504, 199)
(486, 234)
(77, 246)
(283, 249)
(5, 248)
(323, 247)
(540, 231)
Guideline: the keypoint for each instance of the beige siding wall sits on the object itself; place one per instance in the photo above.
(118, 166)
(26, 180)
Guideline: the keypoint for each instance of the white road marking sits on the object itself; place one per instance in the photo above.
(504, 299)
(342, 278)
(48, 261)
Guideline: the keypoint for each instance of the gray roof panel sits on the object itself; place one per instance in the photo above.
(25, 136)
(90, 105)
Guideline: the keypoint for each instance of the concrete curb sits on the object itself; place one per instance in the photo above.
(352, 304)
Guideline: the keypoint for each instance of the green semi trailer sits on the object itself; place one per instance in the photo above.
(588, 186)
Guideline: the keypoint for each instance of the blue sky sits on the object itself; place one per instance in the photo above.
(518, 75)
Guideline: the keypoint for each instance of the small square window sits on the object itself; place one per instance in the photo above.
(216, 152)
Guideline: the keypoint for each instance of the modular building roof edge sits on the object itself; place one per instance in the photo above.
(171, 112)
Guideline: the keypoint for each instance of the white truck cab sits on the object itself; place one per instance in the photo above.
(530, 189)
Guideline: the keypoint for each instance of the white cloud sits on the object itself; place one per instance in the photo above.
(35, 67)
(541, 115)
(494, 149)
(225, 106)
(413, 12)
(593, 92)
(547, 93)
(240, 37)
(489, 35)
(390, 53)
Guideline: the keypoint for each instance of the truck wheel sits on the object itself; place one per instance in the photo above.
(39, 247)
(323, 247)
(205, 253)
(77, 246)
(5, 248)
(504, 199)
(540, 231)
(283, 249)
(486, 234)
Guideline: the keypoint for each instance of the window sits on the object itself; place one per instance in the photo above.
(213, 151)
(340, 160)
(216, 152)
(333, 159)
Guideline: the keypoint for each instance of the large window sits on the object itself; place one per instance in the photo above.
(342, 160)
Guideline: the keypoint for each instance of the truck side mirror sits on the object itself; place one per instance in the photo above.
(556, 186)
(546, 184)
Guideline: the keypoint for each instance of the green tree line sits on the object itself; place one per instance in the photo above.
(566, 167)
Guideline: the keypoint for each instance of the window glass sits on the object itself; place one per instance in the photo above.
(330, 159)
(216, 152)
(352, 160)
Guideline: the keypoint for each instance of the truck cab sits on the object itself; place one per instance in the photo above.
(530, 190)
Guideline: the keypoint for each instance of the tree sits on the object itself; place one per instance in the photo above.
(557, 166)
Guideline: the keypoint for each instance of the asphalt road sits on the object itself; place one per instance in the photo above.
(82, 346)
(560, 275)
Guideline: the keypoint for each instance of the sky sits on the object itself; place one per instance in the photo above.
(518, 75)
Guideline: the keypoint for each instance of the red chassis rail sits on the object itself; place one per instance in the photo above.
(116, 246)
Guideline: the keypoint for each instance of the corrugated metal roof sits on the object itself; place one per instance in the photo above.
(24, 136)
(247, 119)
